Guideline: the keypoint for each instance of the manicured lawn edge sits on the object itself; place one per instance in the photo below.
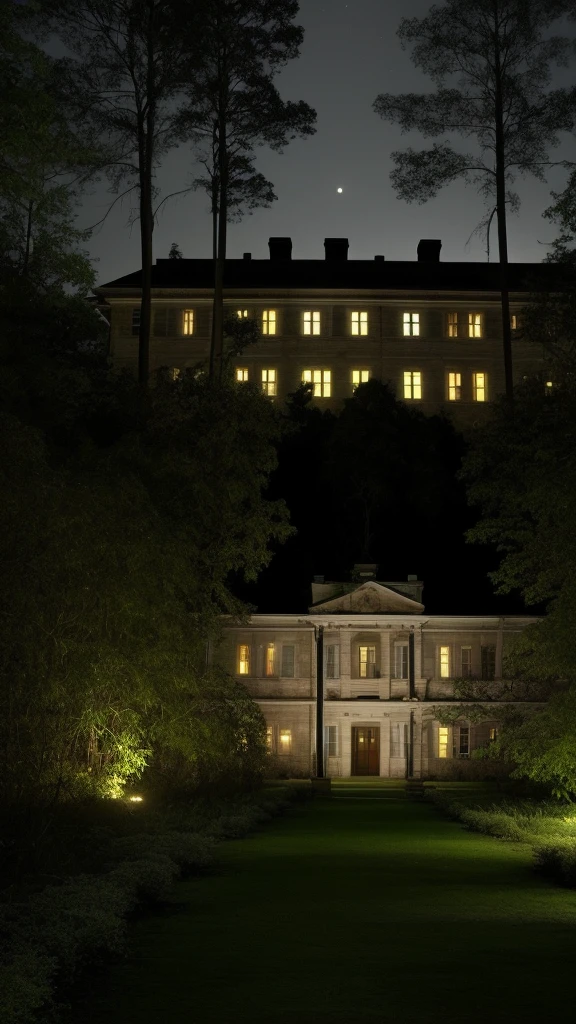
(55, 934)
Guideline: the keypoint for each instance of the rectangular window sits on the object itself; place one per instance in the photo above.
(269, 662)
(454, 387)
(443, 741)
(444, 662)
(269, 321)
(136, 320)
(515, 323)
(243, 659)
(241, 374)
(397, 739)
(269, 382)
(311, 322)
(412, 384)
(367, 662)
(474, 325)
(331, 740)
(452, 325)
(401, 661)
(188, 321)
(359, 377)
(359, 323)
(479, 387)
(321, 381)
(288, 661)
(241, 314)
(464, 741)
(269, 738)
(488, 661)
(411, 323)
(466, 662)
(333, 661)
(285, 741)
(493, 733)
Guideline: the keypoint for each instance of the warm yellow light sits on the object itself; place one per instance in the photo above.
(443, 741)
(549, 384)
(445, 662)
(135, 799)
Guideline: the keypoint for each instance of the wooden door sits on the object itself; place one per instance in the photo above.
(365, 750)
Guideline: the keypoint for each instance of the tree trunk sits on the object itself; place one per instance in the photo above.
(146, 127)
(28, 250)
(216, 361)
(501, 218)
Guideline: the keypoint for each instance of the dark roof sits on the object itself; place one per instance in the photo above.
(351, 274)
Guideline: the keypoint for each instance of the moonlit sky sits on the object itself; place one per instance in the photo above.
(350, 55)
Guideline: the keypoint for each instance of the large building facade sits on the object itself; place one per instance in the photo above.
(431, 329)
(360, 682)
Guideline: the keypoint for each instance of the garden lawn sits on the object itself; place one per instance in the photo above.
(365, 907)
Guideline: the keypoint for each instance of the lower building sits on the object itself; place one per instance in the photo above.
(362, 683)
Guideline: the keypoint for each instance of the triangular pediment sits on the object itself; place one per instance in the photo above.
(370, 598)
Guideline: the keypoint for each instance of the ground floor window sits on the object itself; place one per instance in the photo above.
(278, 740)
(443, 741)
(331, 740)
(397, 739)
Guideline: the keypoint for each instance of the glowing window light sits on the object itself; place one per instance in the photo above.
(285, 741)
(367, 662)
(411, 323)
(474, 325)
(412, 384)
(269, 321)
(444, 662)
(269, 383)
(479, 386)
(443, 741)
(241, 374)
(359, 323)
(321, 381)
(454, 387)
(243, 660)
(359, 377)
(311, 322)
(188, 321)
(135, 799)
(241, 313)
(269, 667)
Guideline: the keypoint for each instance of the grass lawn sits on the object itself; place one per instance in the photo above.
(366, 907)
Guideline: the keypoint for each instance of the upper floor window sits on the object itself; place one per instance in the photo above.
(444, 662)
(514, 322)
(474, 325)
(443, 741)
(136, 320)
(367, 662)
(269, 662)
(359, 377)
(241, 313)
(466, 662)
(311, 322)
(479, 387)
(243, 659)
(242, 373)
(488, 661)
(359, 323)
(188, 321)
(268, 321)
(412, 384)
(269, 382)
(454, 387)
(321, 381)
(452, 325)
(287, 661)
(333, 661)
(401, 661)
(412, 324)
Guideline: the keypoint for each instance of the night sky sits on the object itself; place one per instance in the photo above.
(350, 54)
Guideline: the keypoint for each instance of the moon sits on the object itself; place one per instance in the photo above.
(339, 189)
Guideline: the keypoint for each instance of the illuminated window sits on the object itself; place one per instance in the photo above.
(332, 661)
(488, 661)
(549, 384)
(241, 374)
(454, 387)
(359, 377)
(444, 662)
(243, 659)
(269, 661)
(452, 325)
(287, 661)
(285, 741)
(188, 321)
(474, 325)
(311, 323)
(269, 382)
(411, 324)
(331, 740)
(466, 662)
(175, 372)
(269, 321)
(412, 384)
(136, 320)
(321, 381)
(514, 322)
(269, 738)
(479, 387)
(464, 741)
(241, 313)
(367, 662)
(493, 733)
(401, 661)
(443, 741)
(397, 739)
(359, 323)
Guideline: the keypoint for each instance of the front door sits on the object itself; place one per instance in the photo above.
(365, 750)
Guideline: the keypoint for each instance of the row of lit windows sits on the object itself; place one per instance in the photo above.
(321, 383)
(311, 323)
(278, 660)
(279, 740)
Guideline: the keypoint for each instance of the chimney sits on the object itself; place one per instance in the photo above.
(247, 255)
(364, 571)
(429, 250)
(336, 248)
(379, 259)
(280, 248)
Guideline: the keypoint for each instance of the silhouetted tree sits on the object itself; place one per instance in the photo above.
(175, 252)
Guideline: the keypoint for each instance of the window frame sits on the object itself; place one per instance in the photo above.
(359, 323)
(284, 741)
(442, 742)
(269, 383)
(466, 671)
(311, 326)
(480, 388)
(369, 665)
(245, 375)
(475, 325)
(411, 324)
(444, 661)
(412, 385)
(135, 323)
(284, 660)
(333, 661)
(401, 660)
(322, 387)
(243, 657)
(188, 322)
(454, 386)
(356, 384)
(331, 737)
(269, 321)
(452, 325)
(270, 659)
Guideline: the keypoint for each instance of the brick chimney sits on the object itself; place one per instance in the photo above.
(429, 250)
(280, 248)
(336, 248)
